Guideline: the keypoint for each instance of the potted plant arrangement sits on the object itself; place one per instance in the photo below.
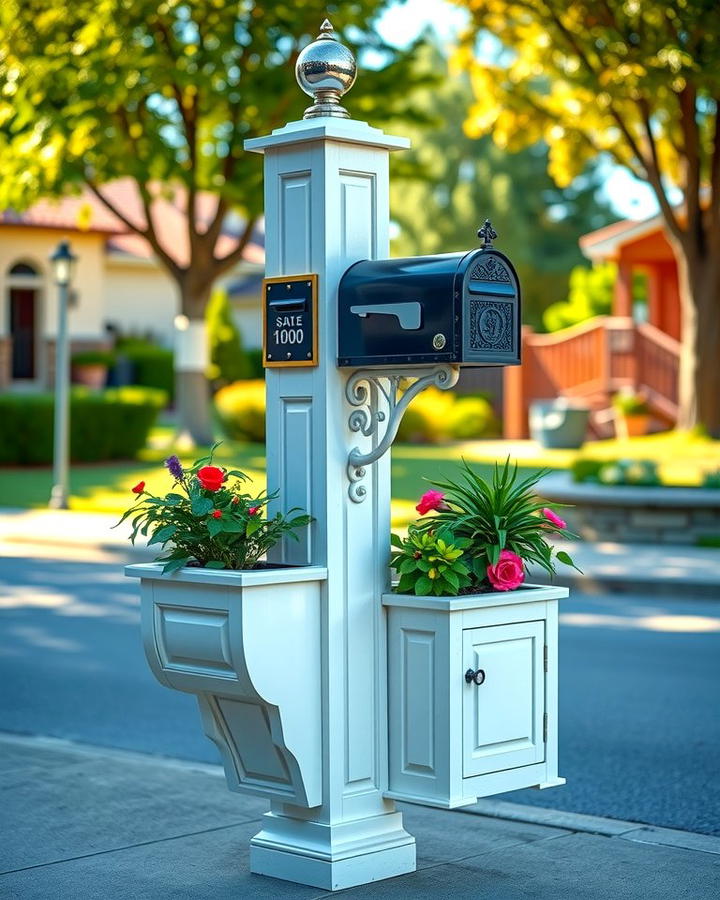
(472, 647)
(632, 414)
(240, 633)
(207, 520)
(481, 537)
(90, 368)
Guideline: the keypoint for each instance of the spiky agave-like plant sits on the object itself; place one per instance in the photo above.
(504, 513)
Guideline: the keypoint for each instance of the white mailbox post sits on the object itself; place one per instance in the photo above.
(325, 692)
(326, 206)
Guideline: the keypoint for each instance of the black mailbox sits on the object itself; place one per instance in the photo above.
(461, 308)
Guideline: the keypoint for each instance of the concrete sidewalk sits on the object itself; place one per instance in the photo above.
(79, 821)
(652, 568)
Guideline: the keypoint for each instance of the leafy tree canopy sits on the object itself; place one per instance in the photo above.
(466, 179)
(638, 80)
(165, 93)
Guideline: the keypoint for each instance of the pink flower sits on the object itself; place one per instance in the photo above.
(554, 518)
(431, 500)
(253, 510)
(507, 573)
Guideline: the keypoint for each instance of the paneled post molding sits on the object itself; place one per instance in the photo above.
(326, 206)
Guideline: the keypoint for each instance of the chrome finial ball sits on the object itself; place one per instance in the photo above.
(325, 70)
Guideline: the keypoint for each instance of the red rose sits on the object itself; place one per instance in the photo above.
(507, 573)
(139, 487)
(211, 478)
(431, 500)
(253, 510)
(216, 514)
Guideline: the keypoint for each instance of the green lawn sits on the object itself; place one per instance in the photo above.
(105, 487)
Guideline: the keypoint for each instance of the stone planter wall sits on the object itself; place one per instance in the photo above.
(640, 515)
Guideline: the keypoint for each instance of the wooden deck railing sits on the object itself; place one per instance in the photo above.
(591, 362)
(658, 357)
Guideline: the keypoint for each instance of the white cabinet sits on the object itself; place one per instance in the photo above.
(472, 694)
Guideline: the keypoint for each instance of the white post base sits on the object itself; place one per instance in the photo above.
(333, 857)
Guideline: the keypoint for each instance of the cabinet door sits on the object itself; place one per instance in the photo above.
(503, 716)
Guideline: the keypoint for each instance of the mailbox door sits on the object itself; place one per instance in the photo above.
(503, 717)
(491, 311)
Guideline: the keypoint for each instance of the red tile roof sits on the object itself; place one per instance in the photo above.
(85, 212)
(617, 229)
(65, 214)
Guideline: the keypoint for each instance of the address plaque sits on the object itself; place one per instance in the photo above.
(290, 326)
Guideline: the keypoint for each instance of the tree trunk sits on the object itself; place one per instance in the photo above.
(699, 377)
(192, 392)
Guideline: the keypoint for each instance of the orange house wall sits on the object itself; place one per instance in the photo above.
(652, 254)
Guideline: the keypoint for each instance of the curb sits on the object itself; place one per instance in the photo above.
(637, 832)
(612, 828)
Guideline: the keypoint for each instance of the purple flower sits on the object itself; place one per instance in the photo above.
(174, 467)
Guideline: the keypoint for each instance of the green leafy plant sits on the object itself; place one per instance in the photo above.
(93, 358)
(586, 469)
(498, 526)
(228, 361)
(640, 472)
(630, 404)
(430, 563)
(208, 520)
(616, 471)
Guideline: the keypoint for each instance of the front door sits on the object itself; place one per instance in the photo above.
(22, 331)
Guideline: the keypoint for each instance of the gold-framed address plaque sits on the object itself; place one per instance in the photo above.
(290, 324)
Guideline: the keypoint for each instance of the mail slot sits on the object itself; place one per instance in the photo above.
(288, 306)
(461, 308)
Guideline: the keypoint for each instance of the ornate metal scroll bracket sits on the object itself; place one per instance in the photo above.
(370, 392)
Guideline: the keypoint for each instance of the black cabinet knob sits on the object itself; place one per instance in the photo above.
(475, 677)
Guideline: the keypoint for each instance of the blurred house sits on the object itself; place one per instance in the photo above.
(640, 246)
(635, 348)
(118, 285)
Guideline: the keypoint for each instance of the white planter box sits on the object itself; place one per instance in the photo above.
(452, 740)
(248, 644)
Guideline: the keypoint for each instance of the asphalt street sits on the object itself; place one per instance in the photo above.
(639, 676)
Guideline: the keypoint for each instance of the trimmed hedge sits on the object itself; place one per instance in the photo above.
(110, 424)
(241, 410)
(153, 366)
(640, 472)
(434, 416)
